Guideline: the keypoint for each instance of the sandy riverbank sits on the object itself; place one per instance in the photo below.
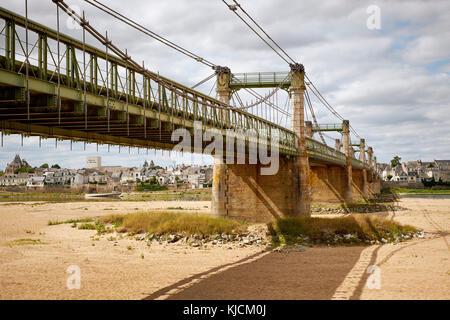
(417, 269)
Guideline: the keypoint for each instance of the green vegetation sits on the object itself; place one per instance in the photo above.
(54, 223)
(395, 161)
(150, 185)
(170, 222)
(44, 166)
(420, 191)
(87, 226)
(50, 197)
(100, 227)
(21, 242)
(354, 229)
(437, 185)
(188, 195)
(160, 195)
(24, 170)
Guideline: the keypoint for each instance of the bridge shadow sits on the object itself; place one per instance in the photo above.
(336, 193)
(313, 274)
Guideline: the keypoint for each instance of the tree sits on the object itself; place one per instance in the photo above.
(430, 165)
(56, 166)
(44, 166)
(24, 170)
(145, 164)
(395, 161)
(152, 164)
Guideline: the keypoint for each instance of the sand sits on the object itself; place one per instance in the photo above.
(129, 269)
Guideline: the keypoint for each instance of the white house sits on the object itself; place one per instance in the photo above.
(36, 182)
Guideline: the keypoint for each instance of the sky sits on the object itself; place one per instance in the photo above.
(392, 82)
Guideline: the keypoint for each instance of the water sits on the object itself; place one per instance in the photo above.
(425, 196)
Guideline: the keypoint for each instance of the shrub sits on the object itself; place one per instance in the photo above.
(86, 226)
(363, 228)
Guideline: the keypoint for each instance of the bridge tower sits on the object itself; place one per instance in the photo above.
(348, 193)
(362, 158)
(308, 128)
(297, 90)
(219, 186)
(337, 144)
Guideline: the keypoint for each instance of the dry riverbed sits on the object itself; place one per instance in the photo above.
(34, 258)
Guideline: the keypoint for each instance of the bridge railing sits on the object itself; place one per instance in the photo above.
(84, 66)
(318, 149)
(260, 79)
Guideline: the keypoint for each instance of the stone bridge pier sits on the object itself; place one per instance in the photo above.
(242, 191)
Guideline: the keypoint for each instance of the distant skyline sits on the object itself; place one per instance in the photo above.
(393, 84)
(76, 158)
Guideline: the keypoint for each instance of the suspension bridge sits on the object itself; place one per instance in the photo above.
(53, 85)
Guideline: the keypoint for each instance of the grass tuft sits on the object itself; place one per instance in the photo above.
(161, 222)
(21, 242)
(86, 226)
(54, 223)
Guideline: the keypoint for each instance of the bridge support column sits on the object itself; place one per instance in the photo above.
(308, 128)
(370, 155)
(370, 159)
(298, 126)
(219, 188)
(240, 191)
(220, 184)
(348, 195)
(375, 165)
(362, 157)
(337, 144)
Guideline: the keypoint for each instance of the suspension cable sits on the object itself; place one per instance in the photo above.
(148, 32)
(260, 98)
(260, 28)
(327, 104)
(233, 8)
(130, 62)
(203, 81)
(308, 100)
(264, 99)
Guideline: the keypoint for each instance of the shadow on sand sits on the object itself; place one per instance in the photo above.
(313, 274)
